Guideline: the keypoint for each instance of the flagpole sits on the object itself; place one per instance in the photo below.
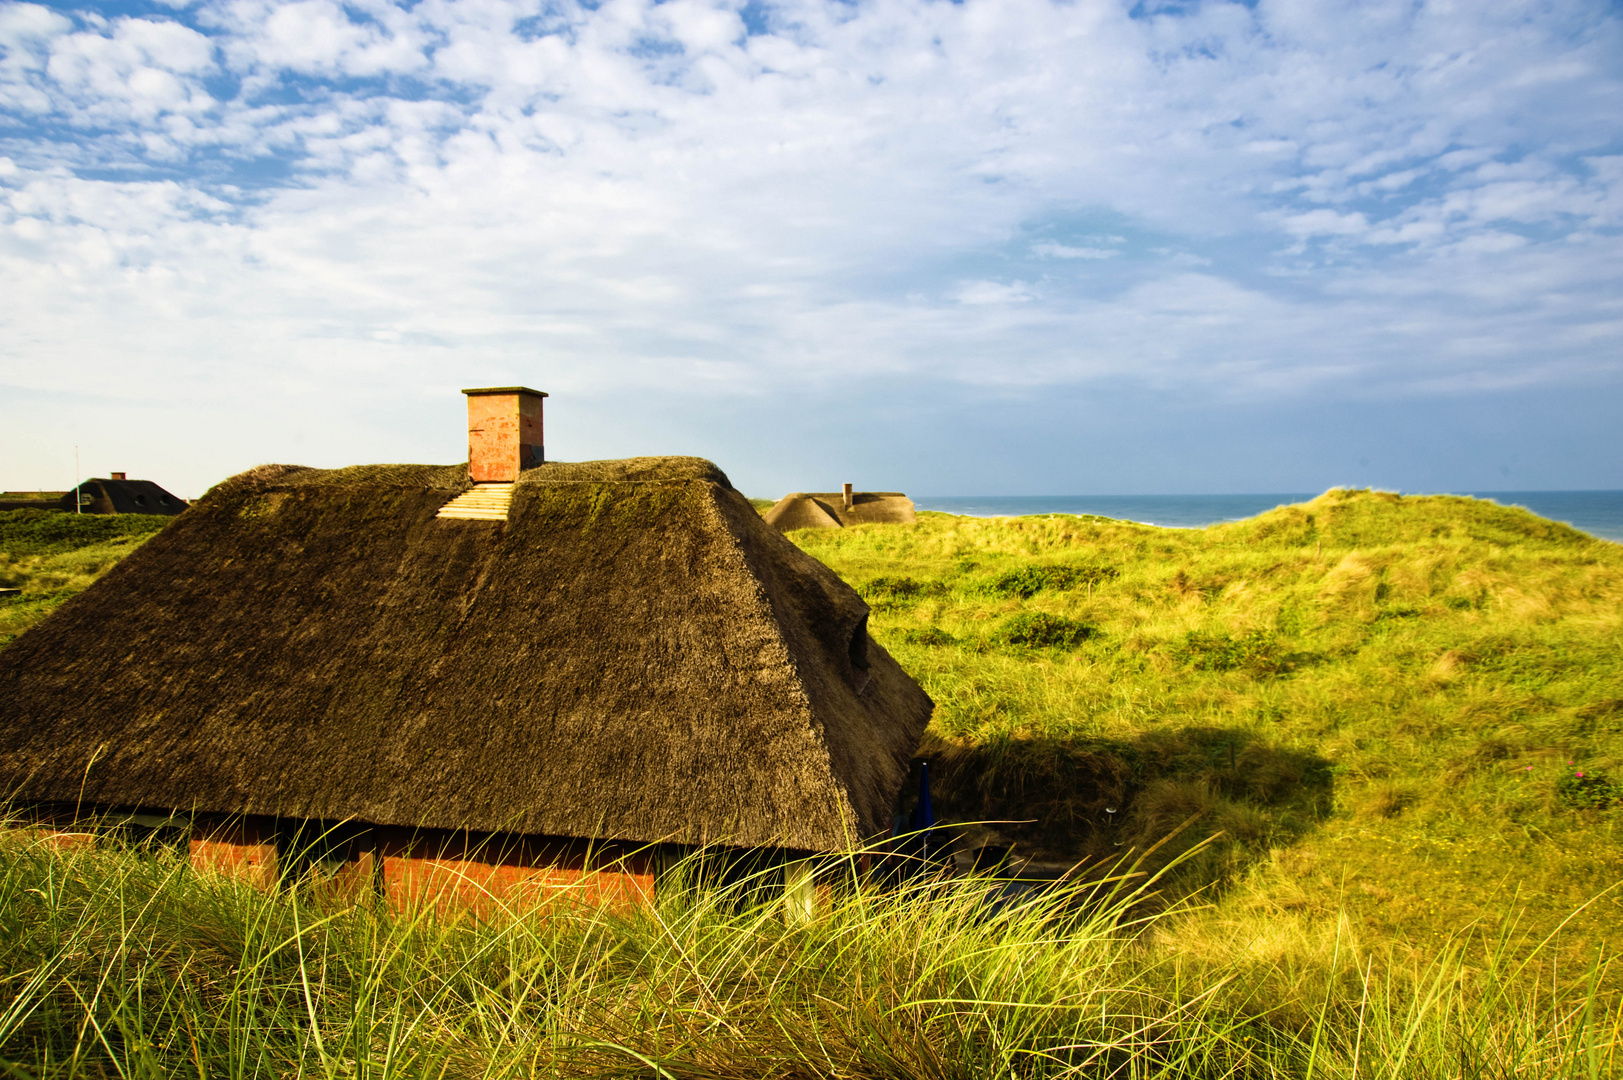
(78, 499)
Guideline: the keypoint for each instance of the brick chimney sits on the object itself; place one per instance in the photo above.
(118, 476)
(504, 432)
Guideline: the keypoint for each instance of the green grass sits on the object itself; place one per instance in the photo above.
(1374, 698)
(52, 556)
(119, 961)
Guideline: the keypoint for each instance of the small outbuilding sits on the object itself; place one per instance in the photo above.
(529, 686)
(835, 510)
(118, 494)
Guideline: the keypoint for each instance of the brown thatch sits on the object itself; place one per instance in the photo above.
(116, 496)
(827, 510)
(633, 655)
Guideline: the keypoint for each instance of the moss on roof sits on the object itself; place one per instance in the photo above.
(634, 654)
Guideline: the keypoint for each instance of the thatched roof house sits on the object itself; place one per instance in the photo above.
(837, 509)
(624, 652)
(117, 494)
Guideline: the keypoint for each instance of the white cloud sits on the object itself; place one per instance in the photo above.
(994, 292)
(319, 37)
(1324, 223)
(132, 70)
(643, 195)
(1050, 250)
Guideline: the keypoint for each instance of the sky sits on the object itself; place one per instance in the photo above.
(977, 247)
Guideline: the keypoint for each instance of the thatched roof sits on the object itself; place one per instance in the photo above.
(827, 510)
(116, 496)
(634, 654)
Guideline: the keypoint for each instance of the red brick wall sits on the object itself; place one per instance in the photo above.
(483, 874)
(453, 871)
(241, 848)
(492, 438)
(504, 436)
(65, 839)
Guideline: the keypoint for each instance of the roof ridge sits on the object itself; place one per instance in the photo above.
(808, 718)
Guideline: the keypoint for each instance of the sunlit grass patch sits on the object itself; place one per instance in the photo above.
(51, 556)
(1438, 656)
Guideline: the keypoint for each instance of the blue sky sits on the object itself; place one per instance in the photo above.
(996, 246)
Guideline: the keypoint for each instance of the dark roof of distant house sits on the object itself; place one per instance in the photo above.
(827, 510)
(115, 496)
(634, 654)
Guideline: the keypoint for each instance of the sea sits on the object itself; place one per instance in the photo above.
(1599, 513)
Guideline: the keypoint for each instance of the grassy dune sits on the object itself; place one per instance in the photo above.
(51, 556)
(1384, 703)
(121, 962)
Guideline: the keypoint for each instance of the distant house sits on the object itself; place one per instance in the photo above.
(542, 682)
(118, 494)
(834, 510)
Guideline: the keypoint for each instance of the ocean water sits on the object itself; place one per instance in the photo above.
(1599, 513)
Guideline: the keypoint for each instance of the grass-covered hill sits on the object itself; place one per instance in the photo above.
(1409, 709)
(1401, 717)
(30, 500)
(49, 556)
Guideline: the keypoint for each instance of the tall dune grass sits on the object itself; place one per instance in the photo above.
(1384, 703)
(125, 962)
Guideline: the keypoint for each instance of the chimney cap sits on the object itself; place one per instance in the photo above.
(479, 391)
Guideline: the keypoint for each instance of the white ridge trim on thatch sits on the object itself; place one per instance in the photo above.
(482, 502)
